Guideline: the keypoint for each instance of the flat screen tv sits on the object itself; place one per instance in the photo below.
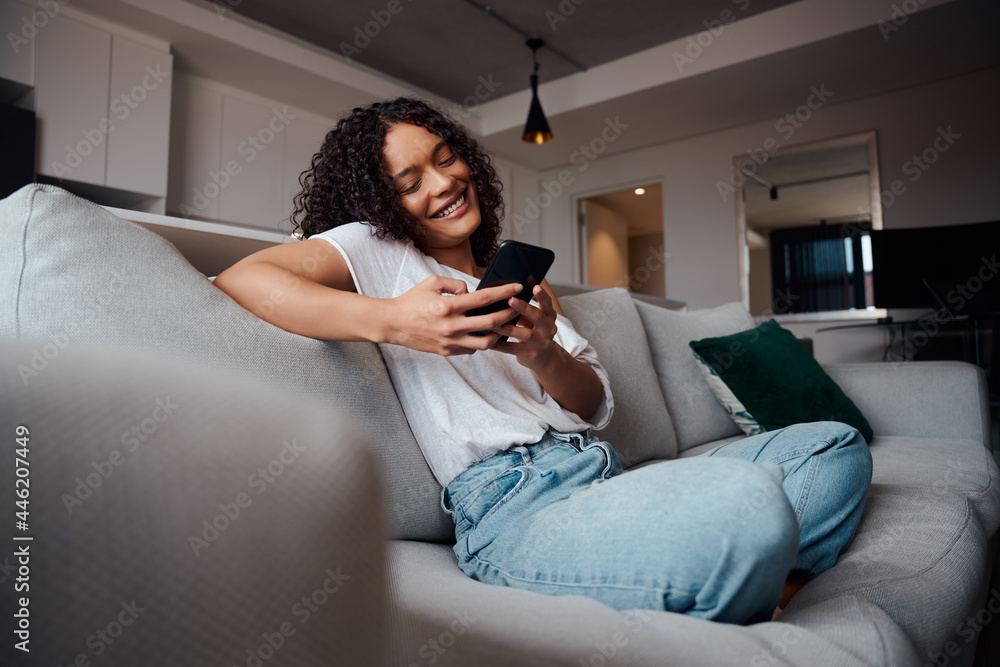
(17, 136)
(951, 268)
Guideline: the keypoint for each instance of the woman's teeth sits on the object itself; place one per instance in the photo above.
(451, 209)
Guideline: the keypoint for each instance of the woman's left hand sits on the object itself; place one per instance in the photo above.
(571, 382)
(535, 332)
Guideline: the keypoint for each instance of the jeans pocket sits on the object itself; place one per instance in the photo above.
(612, 464)
(482, 504)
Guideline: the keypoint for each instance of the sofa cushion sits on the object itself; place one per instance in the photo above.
(921, 556)
(766, 380)
(697, 416)
(641, 427)
(441, 617)
(72, 273)
(939, 466)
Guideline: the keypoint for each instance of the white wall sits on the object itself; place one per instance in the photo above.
(520, 185)
(699, 221)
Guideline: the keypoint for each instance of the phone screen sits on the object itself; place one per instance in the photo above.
(513, 262)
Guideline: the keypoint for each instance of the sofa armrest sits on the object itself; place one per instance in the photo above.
(181, 516)
(940, 399)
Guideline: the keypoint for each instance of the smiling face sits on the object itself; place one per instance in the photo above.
(435, 186)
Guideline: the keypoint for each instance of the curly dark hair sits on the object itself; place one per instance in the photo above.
(349, 180)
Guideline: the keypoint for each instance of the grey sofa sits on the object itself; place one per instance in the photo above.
(113, 318)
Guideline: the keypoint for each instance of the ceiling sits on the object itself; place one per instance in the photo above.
(458, 42)
(448, 47)
(666, 70)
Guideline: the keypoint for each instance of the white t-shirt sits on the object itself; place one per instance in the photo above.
(465, 408)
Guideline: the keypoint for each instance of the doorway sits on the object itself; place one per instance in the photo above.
(621, 240)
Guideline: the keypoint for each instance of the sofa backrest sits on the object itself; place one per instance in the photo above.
(663, 404)
(641, 428)
(72, 273)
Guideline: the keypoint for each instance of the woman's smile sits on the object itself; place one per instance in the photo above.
(456, 207)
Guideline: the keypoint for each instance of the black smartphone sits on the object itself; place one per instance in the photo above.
(513, 262)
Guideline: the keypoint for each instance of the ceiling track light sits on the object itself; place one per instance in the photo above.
(536, 129)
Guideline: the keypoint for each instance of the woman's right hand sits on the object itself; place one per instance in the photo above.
(431, 316)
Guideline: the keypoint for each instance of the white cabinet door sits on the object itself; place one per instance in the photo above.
(71, 100)
(19, 27)
(139, 108)
(253, 139)
(196, 180)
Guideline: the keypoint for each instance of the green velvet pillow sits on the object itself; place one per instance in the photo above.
(766, 380)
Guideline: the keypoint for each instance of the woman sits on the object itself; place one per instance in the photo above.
(537, 502)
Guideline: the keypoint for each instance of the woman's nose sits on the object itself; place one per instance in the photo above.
(439, 181)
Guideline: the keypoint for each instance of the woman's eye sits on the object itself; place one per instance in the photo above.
(410, 189)
(448, 161)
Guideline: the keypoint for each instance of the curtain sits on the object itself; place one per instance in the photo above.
(818, 268)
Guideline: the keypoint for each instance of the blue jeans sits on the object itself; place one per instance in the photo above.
(713, 536)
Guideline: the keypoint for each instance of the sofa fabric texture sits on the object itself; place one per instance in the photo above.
(73, 276)
(180, 517)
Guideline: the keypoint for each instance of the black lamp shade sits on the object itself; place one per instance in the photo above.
(536, 129)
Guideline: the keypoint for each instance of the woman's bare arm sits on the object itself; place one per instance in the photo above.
(307, 288)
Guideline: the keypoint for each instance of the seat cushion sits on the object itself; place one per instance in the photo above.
(696, 414)
(71, 273)
(441, 617)
(938, 466)
(641, 427)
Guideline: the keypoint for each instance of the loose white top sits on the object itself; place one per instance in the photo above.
(465, 408)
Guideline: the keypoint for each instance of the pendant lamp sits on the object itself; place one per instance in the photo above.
(536, 129)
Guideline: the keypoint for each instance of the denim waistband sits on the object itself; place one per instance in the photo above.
(484, 470)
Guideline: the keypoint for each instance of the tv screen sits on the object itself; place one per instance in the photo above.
(952, 267)
(17, 136)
